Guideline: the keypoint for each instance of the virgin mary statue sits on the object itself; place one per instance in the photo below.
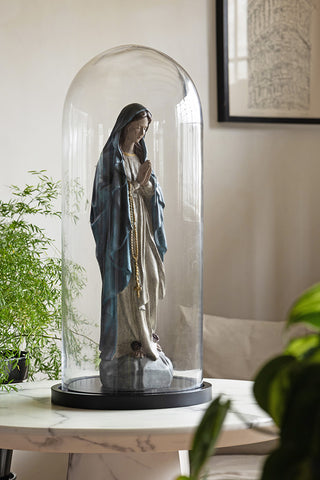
(127, 224)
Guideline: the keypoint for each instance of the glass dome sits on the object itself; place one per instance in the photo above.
(132, 234)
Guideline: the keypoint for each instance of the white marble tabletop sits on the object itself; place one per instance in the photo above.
(28, 421)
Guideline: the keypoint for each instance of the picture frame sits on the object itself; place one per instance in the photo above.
(268, 61)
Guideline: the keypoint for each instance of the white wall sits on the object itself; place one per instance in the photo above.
(261, 181)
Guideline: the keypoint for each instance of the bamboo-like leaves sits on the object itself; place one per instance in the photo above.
(30, 280)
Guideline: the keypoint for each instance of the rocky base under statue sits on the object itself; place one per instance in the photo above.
(129, 373)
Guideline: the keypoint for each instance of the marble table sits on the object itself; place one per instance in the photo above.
(135, 444)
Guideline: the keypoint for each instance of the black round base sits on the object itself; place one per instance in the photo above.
(131, 400)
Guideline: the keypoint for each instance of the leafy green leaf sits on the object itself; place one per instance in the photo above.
(307, 308)
(302, 346)
(272, 383)
(287, 464)
(302, 416)
(297, 457)
(207, 434)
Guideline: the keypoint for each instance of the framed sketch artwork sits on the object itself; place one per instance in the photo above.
(268, 60)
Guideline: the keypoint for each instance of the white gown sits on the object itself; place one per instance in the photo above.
(137, 317)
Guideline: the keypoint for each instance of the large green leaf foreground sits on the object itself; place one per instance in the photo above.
(288, 388)
(206, 437)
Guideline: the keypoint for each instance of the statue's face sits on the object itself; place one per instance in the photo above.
(136, 130)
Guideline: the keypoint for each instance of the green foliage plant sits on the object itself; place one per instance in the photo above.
(30, 279)
(288, 389)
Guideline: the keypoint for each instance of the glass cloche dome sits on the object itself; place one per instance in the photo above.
(132, 235)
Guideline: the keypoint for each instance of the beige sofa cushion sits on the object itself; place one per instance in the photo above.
(236, 348)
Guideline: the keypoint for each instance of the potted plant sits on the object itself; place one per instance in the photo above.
(288, 388)
(30, 286)
(30, 290)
